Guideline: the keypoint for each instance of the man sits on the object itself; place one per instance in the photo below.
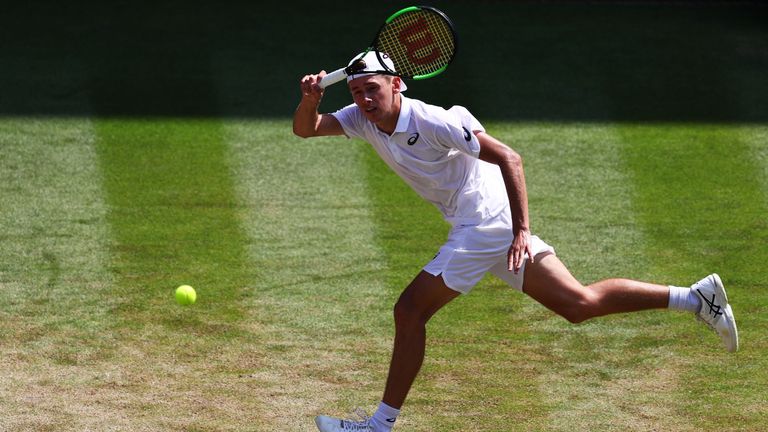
(478, 184)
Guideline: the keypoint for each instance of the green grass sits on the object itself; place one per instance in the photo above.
(144, 148)
(173, 216)
(589, 200)
(288, 265)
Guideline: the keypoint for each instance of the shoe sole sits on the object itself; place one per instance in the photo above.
(719, 288)
(732, 329)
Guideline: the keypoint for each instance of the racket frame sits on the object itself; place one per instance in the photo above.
(343, 73)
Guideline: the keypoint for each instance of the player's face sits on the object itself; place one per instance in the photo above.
(376, 96)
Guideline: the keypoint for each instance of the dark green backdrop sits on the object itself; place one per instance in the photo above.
(570, 61)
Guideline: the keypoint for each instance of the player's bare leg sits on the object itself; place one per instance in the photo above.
(420, 300)
(550, 283)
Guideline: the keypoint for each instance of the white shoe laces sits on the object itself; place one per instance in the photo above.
(362, 425)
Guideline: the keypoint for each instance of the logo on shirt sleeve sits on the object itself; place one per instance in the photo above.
(467, 134)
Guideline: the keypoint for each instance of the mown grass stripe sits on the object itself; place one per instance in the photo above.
(173, 213)
(318, 302)
(699, 196)
(580, 198)
(687, 178)
(754, 136)
(52, 219)
(173, 216)
(55, 295)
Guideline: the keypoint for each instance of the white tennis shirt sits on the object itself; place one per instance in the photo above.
(436, 153)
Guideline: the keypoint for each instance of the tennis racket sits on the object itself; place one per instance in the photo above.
(420, 41)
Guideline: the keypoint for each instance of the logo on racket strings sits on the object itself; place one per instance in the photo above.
(417, 39)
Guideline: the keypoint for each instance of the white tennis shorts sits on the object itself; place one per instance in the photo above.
(473, 250)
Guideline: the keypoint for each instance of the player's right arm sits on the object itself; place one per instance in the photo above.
(307, 121)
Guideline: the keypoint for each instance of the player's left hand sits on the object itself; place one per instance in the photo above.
(521, 246)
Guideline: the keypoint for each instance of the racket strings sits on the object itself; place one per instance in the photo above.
(419, 43)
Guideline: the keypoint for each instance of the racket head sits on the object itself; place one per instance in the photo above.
(420, 40)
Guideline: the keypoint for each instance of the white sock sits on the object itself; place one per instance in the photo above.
(384, 417)
(684, 299)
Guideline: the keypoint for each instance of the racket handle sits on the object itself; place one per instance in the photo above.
(333, 78)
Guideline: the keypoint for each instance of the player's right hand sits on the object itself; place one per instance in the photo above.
(310, 88)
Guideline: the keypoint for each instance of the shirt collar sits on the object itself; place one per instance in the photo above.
(405, 114)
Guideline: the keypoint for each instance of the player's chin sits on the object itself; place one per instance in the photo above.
(372, 114)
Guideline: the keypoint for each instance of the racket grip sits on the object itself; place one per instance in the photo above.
(333, 78)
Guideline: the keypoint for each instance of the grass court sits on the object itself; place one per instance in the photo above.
(142, 148)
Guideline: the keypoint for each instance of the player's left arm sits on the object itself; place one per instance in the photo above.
(511, 165)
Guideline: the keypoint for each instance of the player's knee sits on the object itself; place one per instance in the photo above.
(407, 314)
(582, 308)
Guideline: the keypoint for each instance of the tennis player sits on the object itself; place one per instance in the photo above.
(478, 184)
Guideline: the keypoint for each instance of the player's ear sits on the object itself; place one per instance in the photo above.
(396, 84)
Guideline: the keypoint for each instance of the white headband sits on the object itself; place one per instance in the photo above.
(374, 67)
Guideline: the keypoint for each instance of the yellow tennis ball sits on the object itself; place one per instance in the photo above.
(185, 295)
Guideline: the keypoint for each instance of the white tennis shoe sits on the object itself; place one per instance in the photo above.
(332, 424)
(715, 311)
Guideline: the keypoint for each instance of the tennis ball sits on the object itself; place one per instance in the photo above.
(185, 295)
